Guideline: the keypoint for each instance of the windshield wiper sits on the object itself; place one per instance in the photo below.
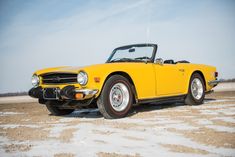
(144, 57)
(138, 59)
(122, 60)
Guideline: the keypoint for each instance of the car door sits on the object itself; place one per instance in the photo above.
(169, 79)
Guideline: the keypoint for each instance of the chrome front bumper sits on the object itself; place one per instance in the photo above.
(67, 93)
(213, 83)
(88, 93)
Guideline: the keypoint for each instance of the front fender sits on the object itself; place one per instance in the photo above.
(142, 75)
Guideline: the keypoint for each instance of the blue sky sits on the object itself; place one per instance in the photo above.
(40, 33)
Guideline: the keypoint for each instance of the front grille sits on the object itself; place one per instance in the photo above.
(59, 78)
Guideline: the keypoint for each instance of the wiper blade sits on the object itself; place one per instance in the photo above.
(144, 57)
(122, 60)
(138, 59)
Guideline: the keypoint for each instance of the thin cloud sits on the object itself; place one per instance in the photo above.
(88, 35)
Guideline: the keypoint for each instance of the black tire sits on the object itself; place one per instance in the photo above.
(190, 98)
(52, 106)
(104, 104)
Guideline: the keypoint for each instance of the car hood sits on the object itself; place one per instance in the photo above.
(90, 68)
(65, 69)
(68, 69)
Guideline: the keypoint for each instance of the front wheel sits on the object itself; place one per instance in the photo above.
(116, 97)
(196, 90)
(52, 106)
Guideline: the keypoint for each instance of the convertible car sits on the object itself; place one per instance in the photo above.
(130, 76)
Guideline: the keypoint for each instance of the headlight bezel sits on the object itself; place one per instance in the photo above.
(82, 78)
(35, 80)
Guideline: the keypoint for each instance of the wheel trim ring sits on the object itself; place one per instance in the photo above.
(119, 97)
(197, 88)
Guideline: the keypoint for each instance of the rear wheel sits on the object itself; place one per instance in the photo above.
(196, 90)
(52, 106)
(116, 97)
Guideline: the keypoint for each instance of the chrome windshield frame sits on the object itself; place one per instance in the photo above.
(135, 45)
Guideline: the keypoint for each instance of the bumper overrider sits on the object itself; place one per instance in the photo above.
(66, 93)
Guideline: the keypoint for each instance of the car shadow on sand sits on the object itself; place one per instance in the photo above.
(162, 106)
(94, 113)
(85, 113)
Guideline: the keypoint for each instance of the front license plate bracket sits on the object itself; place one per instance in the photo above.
(51, 93)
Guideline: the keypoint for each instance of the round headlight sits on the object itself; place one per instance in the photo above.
(35, 80)
(82, 78)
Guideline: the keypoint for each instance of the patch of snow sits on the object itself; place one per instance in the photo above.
(56, 129)
(225, 87)
(84, 142)
(217, 100)
(167, 121)
(228, 111)
(17, 99)
(219, 106)
(225, 119)
(12, 126)
(229, 97)
(222, 128)
(204, 122)
(89, 139)
(9, 113)
(209, 112)
(182, 126)
(65, 120)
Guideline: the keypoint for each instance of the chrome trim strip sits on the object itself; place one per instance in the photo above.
(87, 92)
(61, 78)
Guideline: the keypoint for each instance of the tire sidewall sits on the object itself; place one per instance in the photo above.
(196, 101)
(106, 92)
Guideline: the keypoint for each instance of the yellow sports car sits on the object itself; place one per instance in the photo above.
(130, 76)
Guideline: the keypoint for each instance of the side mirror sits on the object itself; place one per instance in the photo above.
(159, 61)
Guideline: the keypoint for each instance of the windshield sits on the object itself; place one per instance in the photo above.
(133, 53)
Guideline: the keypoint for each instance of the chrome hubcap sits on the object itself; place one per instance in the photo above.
(197, 88)
(119, 97)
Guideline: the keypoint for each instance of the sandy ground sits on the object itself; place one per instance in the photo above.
(27, 129)
(221, 87)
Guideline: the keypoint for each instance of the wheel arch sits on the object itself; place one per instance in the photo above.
(128, 77)
(201, 74)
